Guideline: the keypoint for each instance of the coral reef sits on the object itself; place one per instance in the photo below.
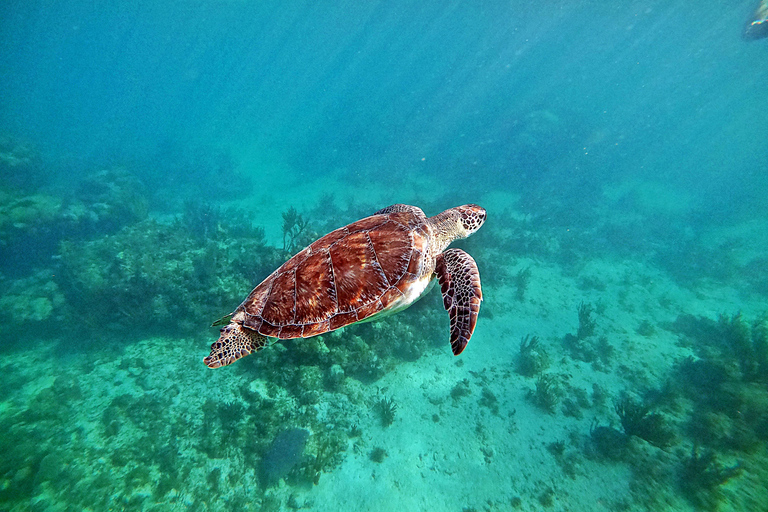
(294, 226)
(595, 350)
(36, 298)
(386, 408)
(586, 322)
(576, 400)
(107, 200)
(30, 215)
(522, 280)
(461, 389)
(378, 455)
(20, 163)
(638, 420)
(355, 356)
(489, 400)
(326, 455)
(646, 328)
(748, 345)
(32, 226)
(533, 358)
(726, 382)
(161, 434)
(30, 229)
(366, 351)
(584, 345)
(702, 476)
(547, 393)
(201, 220)
(153, 274)
(607, 442)
(153, 444)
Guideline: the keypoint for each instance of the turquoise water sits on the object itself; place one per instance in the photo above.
(159, 159)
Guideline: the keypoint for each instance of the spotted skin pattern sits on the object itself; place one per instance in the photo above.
(234, 343)
(460, 285)
(377, 265)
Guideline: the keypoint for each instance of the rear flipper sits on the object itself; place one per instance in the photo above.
(235, 342)
(460, 284)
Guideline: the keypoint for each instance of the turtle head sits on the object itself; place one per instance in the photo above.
(455, 223)
(235, 341)
(471, 217)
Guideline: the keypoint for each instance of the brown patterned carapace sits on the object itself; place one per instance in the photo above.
(378, 264)
(344, 277)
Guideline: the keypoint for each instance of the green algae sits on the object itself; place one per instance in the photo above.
(154, 275)
(702, 477)
(638, 419)
(547, 393)
(533, 357)
(145, 449)
(386, 408)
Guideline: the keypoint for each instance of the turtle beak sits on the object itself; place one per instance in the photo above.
(472, 217)
(482, 214)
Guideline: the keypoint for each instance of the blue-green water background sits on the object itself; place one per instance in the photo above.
(671, 88)
(626, 130)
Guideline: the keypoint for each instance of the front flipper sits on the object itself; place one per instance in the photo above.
(460, 284)
(234, 342)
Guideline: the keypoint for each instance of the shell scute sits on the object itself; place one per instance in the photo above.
(315, 290)
(407, 219)
(343, 277)
(295, 261)
(254, 303)
(342, 319)
(356, 272)
(290, 331)
(279, 309)
(315, 329)
(268, 329)
(414, 264)
(393, 250)
(371, 223)
(391, 295)
(370, 309)
(329, 239)
(253, 322)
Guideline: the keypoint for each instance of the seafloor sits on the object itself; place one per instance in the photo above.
(612, 368)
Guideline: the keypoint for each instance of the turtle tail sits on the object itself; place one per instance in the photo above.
(234, 343)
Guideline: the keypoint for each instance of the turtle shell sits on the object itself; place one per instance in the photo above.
(344, 277)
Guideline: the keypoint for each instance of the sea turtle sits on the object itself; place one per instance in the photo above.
(373, 267)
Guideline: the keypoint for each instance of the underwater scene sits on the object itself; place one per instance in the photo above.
(599, 342)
